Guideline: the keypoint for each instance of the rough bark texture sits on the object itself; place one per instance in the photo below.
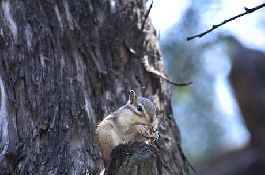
(134, 158)
(64, 65)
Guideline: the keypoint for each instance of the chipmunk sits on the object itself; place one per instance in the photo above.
(135, 121)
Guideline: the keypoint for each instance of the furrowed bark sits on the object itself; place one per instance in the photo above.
(64, 65)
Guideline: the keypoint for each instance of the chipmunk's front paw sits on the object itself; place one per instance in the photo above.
(144, 130)
(155, 136)
(148, 132)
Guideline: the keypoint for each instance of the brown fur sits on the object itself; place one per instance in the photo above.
(127, 124)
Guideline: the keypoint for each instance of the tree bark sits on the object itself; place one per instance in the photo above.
(64, 65)
(134, 158)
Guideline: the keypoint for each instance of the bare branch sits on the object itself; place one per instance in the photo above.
(44, 57)
(247, 11)
(147, 14)
(151, 69)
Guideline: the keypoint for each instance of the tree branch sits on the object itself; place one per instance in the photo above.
(247, 11)
(147, 14)
(151, 69)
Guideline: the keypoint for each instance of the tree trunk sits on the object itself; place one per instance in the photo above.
(134, 158)
(64, 65)
(247, 80)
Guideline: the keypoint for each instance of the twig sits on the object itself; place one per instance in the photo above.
(44, 57)
(247, 11)
(151, 69)
(147, 14)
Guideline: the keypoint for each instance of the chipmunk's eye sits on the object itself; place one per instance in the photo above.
(139, 108)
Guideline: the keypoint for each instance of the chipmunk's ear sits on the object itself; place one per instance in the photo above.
(132, 97)
(151, 98)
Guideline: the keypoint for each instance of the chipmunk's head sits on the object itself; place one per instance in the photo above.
(143, 108)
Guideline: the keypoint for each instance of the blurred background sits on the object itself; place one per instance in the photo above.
(221, 115)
